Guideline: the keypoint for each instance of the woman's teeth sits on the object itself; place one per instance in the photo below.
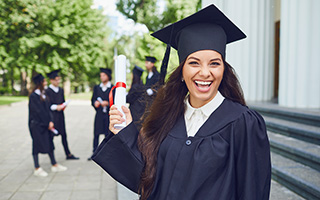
(203, 83)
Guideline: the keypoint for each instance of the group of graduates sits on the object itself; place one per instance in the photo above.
(47, 104)
(46, 120)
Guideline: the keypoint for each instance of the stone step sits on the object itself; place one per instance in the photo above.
(303, 116)
(302, 132)
(299, 178)
(297, 150)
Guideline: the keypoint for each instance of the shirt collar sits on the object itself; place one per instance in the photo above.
(108, 85)
(206, 109)
(54, 88)
(37, 91)
(150, 74)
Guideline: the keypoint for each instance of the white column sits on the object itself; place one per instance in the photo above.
(299, 79)
(252, 57)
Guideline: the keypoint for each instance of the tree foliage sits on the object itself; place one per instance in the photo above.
(42, 35)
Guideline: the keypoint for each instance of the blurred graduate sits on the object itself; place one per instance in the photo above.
(100, 102)
(153, 75)
(57, 105)
(200, 140)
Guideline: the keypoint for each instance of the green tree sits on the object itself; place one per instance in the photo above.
(42, 35)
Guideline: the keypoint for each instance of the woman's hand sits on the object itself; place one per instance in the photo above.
(116, 117)
(96, 104)
(51, 125)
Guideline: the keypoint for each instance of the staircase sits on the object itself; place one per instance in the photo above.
(294, 136)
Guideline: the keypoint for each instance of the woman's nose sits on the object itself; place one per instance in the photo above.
(204, 71)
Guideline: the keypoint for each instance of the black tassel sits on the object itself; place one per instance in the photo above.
(164, 65)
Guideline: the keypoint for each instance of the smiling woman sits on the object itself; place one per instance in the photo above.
(198, 140)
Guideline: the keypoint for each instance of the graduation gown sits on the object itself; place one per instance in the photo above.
(153, 80)
(227, 159)
(101, 120)
(58, 116)
(136, 99)
(39, 118)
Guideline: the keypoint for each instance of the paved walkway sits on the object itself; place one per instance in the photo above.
(83, 180)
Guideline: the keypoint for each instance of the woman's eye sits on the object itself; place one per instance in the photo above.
(193, 63)
(215, 63)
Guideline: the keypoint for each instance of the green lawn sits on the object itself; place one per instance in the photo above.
(80, 96)
(5, 100)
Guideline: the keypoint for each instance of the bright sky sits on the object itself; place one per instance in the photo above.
(125, 26)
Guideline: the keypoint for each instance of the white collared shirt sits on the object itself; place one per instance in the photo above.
(196, 117)
(150, 75)
(54, 88)
(106, 86)
(37, 91)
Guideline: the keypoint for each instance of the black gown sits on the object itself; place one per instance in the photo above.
(227, 159)
(153, 80)
(39, 118)
(136, 99)
(101, 120)
(58, 116)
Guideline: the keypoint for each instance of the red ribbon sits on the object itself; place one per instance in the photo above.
(118, 84)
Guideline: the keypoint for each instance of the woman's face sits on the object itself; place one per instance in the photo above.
(44, 83)
(202, 73)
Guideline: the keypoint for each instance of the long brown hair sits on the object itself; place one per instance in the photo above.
(164, 112)
(41, 88)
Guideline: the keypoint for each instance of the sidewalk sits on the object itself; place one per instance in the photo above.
(83, 180)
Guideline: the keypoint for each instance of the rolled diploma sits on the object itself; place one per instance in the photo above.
(120, 96)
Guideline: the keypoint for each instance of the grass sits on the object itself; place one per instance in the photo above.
(6, 100)
(80, 96)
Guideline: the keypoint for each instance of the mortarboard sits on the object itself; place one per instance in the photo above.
(151, 59)
(137, 70)
(107, 71)
(38, 79)
(53, 74)
(207, 29)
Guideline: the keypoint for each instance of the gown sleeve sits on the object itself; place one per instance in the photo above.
(252, 153)
(119, 156)
(94, 97)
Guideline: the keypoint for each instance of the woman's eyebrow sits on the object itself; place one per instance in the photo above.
(215, 59)
(194, 58)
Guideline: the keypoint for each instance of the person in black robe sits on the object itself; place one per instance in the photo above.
(200, 140)
(100, 102)
(41, 126)
(57, 105)
(153, 75)
(136, 95)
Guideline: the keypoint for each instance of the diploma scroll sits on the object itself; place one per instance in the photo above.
(120, 96)
(104, 108)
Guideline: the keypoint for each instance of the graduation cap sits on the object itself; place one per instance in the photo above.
(38, 79)
(137, 70)
(53, 74)
(207, 29)
(151, 59)
(107, 71)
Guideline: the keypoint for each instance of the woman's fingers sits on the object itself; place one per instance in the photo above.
(127, 112)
